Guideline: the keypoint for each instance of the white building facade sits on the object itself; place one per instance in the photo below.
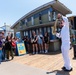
(7, 30)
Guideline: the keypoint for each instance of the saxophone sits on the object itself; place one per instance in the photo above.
(54, 28)
(58, 22)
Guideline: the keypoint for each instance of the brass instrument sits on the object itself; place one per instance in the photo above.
(54, 28)
(58, 22)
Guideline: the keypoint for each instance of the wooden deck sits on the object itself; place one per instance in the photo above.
(51, 62)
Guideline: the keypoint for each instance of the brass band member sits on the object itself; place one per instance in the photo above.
(65, 38)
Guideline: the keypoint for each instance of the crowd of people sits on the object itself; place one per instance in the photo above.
(38, 43)
(7, 47)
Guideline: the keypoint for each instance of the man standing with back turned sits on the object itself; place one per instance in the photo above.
(65, 39)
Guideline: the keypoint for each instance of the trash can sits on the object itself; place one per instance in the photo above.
(74, 49)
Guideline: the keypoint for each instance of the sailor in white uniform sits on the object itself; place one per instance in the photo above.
(65, 38)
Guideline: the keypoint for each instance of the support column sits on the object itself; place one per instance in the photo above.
(22, 34)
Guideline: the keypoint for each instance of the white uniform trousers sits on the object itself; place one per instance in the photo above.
(65, 53)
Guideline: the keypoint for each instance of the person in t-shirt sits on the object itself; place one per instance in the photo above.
(34, 42)
(46, 41)
(14, 45)
(40, 42)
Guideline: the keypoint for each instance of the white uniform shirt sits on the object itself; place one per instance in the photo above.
(65, 35)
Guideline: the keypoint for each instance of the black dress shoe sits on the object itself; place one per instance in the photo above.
(68, 70)
(63, 68)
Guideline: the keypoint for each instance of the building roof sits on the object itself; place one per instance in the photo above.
(71, 16)
(54, 4)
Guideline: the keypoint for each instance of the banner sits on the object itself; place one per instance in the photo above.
(21, 48)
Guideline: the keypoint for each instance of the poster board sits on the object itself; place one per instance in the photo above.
(21, 50)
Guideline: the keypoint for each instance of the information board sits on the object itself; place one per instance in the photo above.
(21, 49)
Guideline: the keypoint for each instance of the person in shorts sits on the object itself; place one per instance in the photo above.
(34, 42)
(40, 42)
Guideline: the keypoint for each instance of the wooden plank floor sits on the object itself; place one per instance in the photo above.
(50, 62)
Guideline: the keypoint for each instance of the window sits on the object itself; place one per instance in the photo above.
(32, 20)
(50, 9)
(23, 22)
(71, 22)
(54, 15)
(26, 21)
(40, 19)
(44, 11)
(30, 33)
(40, 16)
(29, 19)
(45, 30)
(40, 30)
(36, 15)
(48, 29)
(37, 31)
(26, 33)
(49, 15)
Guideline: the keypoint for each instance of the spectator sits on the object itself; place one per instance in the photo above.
(14, 46)
(34, 42)
(1, 45)
(26, 42)
(40, 42)
(3, 48)
(8, 47)
(46, 41)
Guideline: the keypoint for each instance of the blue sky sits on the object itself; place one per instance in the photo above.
(12, 10)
